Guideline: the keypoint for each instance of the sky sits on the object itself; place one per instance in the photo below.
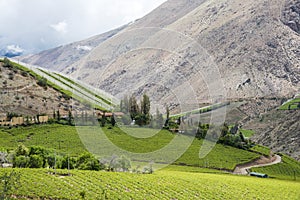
(30, 26)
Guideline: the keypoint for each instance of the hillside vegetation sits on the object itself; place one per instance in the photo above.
(66, 139)
(42, 183)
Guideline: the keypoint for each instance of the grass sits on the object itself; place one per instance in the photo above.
(63, 138)
(261, 150)
(288, 169)
(247, 133)
(74, 140)
(39, 184)
(132, 142)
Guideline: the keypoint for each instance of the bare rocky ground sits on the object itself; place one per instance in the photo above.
(277, 129)
(21, 94)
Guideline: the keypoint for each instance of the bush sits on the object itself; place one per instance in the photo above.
(42, 82)
(21, 150)
(87, 161)
(21, 161)
(66, 160)
(36, 161)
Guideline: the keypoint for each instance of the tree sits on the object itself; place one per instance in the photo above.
(21, 150)
(87, 161)
(133, 107)
(168, 116)
(145, 110)
(224, 130)
(70, 117)
(113, 120)
(103, 119)
(36, 161)
(145, 105)
(6, 62)
(58, 115)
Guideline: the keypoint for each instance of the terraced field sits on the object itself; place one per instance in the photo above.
(40, 184)
(73, 88)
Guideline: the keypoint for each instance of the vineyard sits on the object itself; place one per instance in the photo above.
(288, 169)
(40, 184)
(75, 140)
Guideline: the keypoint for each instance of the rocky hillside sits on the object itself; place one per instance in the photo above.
(190, 52)
(291, 15)
(26, 95)
(248, 47)
(59, 58)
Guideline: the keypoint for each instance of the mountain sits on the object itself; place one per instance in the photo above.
(250, 45)
(189, 52)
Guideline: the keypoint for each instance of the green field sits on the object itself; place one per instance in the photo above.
(293, 104)
(247, 133)
(66, 139)
(261, 150)
(39, 184)
(288, 169)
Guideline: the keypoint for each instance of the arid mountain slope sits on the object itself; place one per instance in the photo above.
(63, 56)
(245, 47)
(21, 94)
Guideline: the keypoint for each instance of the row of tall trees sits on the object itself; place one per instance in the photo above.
(139, 112)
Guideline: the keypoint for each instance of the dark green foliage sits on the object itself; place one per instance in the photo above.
(134, 109)
(202, 130)
(21, 161)
(103, 120)
(22, 150)
(70, 118)
(42, 82)
(7, 63)
(35, 161)
(113, 120)
(9, 116)
(68, 162)
(58, 115)
(87, 161)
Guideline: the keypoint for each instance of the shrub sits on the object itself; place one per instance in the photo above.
(36, 161)
(11, 76)
(87, 161)
(21, 161)
(21, 150)
(42, 82)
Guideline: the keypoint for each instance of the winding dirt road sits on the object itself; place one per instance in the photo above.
(262, 162)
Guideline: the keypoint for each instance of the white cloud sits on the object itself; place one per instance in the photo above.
(61, 27)
(72, 21)
(84, 48)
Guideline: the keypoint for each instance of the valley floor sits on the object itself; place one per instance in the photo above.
(164, 184)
